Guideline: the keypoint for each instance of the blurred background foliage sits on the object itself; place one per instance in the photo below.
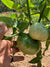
(4, 8)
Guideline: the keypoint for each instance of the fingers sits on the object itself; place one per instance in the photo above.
(12, 45)
(3, 29)
(3, 44)
(14, 50)
(17, 58)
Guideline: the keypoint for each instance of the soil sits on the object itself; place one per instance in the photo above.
(24, 63)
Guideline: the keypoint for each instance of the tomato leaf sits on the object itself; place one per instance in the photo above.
(38, 58)
(13, 15)
(8, 21)
(10, 4)
(47, 12)
(35, 60)
(22, 24)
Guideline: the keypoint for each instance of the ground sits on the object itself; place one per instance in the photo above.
(24, 63)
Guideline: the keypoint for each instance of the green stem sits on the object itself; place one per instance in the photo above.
(35, 13)
(41, 14)
(47, 19)
(29, 12)
(39, 64)
(40, 57)
(13, 35)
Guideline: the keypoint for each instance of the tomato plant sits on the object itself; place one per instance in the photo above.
(33, 13)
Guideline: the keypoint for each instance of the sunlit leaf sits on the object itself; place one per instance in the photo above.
(13, 15)
(10, 4)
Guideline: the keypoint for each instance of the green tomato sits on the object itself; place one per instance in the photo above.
(27, 45)
(38, 32)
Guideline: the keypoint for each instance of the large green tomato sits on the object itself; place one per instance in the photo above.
(38, 32)
(27, 45)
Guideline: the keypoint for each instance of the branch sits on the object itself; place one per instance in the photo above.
(36, 13)
(29, 12)
(41, 14)
(47, 19)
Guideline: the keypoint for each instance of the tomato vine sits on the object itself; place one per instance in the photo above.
(23, 18)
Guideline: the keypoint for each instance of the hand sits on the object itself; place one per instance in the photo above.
(3, 30)
(6, 50)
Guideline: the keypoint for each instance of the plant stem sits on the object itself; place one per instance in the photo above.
(39, 64)
(47, 19)
(13, 35)
(41, 14)
(40, 57)
(29, 12)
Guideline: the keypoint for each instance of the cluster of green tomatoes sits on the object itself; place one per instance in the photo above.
(30, 43)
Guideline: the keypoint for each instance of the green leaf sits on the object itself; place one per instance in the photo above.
(48, 2)
(35, 60)
(8, 21)
(21, 2)
(36, 1)
(47, 46)
(22, 24)
(13, 15)
(10, 4)
(30, 4)
(47, 12)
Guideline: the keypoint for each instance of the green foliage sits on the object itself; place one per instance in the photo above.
(22, 24)
(21, 2)
(8, 21)
(10, 4)
(4, 8)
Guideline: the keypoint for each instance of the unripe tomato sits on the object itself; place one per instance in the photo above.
(38, 31)
(27, 45)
